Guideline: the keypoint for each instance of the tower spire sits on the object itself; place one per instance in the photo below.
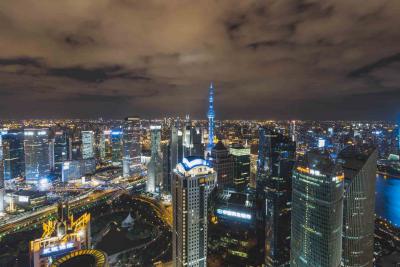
(211, 116)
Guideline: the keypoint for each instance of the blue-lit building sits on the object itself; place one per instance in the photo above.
(13, 154)
(37, 155)
(193, 182)
(211, 117)
(72, 170)
(116, 146)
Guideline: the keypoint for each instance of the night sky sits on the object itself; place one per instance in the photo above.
(282, 59)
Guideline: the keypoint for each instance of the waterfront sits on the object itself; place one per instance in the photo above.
(387, 203)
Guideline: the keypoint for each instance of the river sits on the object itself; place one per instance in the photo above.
(387, 204)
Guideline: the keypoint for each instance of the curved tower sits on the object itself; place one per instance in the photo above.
(211, 116)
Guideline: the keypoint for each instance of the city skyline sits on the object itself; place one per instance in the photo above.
(273, 59)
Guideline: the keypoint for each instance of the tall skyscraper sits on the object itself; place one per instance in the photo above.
(37, 160)
(132, 149)
(87, 144)
(13, 154)
(155, 166)
(116, 147)
(359, 166)
(211, 116)
(192, 140)
(241, 169)
(193, 182)
(223, 164)
(60, 151)
(176, 151)
(317, 211)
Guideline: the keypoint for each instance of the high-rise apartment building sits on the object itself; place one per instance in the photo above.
(317, 211)
(37, 160)
(359, 166)
(192, 184)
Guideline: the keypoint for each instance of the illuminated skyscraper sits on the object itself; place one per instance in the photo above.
(359, 166)
(192, 184)
(211, 116)
(175, 151)
(155, 166)
(37, 158)
(192, 140)
(132, 150)
(317, 211)
(13, 154)
(116, 147)
(87, 144)
(241, 170)
(60, 151)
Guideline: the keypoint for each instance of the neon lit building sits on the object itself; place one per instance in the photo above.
(359, 166)
(193, 182)
(37, 155)
(317, 211)
(211, 116)
(60, 237)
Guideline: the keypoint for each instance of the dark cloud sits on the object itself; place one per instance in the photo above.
(271, 59)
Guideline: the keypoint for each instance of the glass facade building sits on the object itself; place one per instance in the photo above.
(13, 154)
(155, 166)
(241, 168)
(87, 144)
(359, 166)
(37, 155)
(131, 146)
(317, 211)
(116, 147)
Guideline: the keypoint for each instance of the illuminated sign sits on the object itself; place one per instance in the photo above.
(155, 127)
(23, 199)
(57, 249)
(194, 162)
(321, 143)
(236, 214)
(116, 132)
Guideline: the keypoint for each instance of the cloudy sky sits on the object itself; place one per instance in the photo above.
(278, 59)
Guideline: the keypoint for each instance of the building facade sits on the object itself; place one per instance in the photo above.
(192, 184)
(223, 165)
(317, 211)
(13, 154)
(241, 167)
(87, 144)
(131, 146)
(359, 166)
(155, 166)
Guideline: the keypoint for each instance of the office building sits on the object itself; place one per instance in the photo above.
(175, 152)
(131, 147)
(116, 147)
(241, 167)
(37, 159)
(359, 166)
(13, 154)
(223, 164)
(192, 140)
(60, 151)
(76, 169)
(87, 144)
(155, 166)
(191, 187)
(317, 211)
(232, 235)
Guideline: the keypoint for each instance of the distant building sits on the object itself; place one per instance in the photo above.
(192, 184)
(116, 147)
(37, 156)
(60, 151)
(155, 166)
(87, 144)
(223, 164)
(359, 166)
(192, 140)
(131, 146)
(317, 211)
(72, 170)
(241, 167)
(13, 154)
(175, 152)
